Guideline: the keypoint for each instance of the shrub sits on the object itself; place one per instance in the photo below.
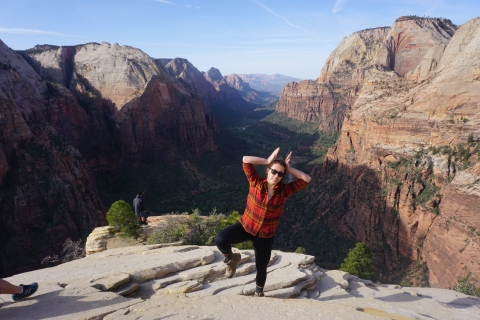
(172, 231)
(467, 285)
(120, 216)
(470, 138)
(359, 262)
(196, 229)
(300, 250)
(71, 250)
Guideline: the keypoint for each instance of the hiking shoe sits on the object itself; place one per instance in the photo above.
(232, 265)
(256, 294)
(28, 290)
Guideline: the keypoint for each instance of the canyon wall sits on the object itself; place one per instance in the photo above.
(413, 133)
(46, 191)
(70, 115)
(399, 48)
(157, 107)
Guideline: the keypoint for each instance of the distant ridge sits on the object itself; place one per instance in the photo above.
(270, 83)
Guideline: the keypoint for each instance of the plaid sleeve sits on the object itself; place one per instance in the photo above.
(252, 175)
(295, 186)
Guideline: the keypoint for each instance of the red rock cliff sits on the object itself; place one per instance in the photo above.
(418, 143)
(83, 110)
(47, 193)
(119, 77)
(400, 48)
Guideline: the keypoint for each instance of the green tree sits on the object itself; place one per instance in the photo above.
(359, 262)
(120, 216)
(470, 138)
(300, 250)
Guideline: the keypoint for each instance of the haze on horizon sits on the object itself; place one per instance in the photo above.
(243, 37)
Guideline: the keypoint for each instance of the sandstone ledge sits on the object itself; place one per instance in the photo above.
(182, 282)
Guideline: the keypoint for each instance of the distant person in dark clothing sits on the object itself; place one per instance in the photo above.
(20, 292)
(140, 209)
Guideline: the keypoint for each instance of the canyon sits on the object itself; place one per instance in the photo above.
(403, 177)
(408, 150)
(73, 114)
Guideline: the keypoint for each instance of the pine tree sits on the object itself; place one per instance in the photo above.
(121, 217)
(359, 262)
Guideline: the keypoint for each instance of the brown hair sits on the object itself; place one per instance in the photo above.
(280, 162)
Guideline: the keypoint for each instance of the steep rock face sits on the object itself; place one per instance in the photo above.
(102, 109)
(192, 78)
(410, 42)
(225, 91)
(337, 87)
(116, 72)
(162, 115)
(213, 74)
(236, 82)
(410, 39)
(46, 192)
(112, 79)
(429, 198)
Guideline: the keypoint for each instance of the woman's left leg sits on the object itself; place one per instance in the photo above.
(263, 252)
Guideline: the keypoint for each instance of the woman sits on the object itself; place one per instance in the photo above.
(265, 201)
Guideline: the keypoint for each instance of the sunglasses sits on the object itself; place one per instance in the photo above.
(274, 172)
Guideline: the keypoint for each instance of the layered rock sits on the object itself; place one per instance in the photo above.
(191, 77)
(47, 192)
(223, 88)
(425, 202)
(410, 42)
(158, 107)
(189, 282)
(80, 113)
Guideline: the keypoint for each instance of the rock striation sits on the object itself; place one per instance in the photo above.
(72, 114)
(400, 48)
(46, 191)
(192, 78)
(158, 110)
(188, 281)
(409, 149)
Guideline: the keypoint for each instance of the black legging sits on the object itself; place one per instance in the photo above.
(262, 246)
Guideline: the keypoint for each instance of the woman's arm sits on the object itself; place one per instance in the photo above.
(295, 172)
(261, 161)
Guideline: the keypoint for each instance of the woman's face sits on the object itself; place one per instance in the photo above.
(275, 178)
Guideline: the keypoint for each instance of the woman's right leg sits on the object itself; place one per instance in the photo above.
(231, 235)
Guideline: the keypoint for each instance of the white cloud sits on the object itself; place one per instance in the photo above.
(165, 1)
(191, 7)
(275, 14)
(35, 32)
(338, 5)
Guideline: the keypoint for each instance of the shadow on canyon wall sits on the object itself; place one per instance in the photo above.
(336, 211)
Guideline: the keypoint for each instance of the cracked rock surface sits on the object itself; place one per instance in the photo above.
(179, 282)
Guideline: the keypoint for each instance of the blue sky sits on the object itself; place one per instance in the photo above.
(291, 37)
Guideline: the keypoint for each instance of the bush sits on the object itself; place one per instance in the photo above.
(120, 216)
(359, 262)
(300, 250)
(196, 229)
(467, 285)
(470, 138)
(172, 231)
(71, 250)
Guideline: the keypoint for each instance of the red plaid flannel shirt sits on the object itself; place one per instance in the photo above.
(261, 215)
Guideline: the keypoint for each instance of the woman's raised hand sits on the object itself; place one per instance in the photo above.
(288, 159)
(273, 156)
